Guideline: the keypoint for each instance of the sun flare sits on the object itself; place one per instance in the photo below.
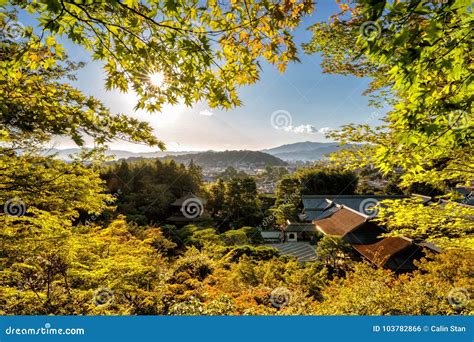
(157, 79)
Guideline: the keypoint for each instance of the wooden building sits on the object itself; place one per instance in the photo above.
(300, 232)
(187, 209)
(364, 235)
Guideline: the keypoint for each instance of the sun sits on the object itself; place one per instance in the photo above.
(157, 79)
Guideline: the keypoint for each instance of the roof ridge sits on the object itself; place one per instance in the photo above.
(367, 217)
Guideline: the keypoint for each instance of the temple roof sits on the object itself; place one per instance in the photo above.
(322, 202)
(188, 197)
(340, 222)
(381, 251)
(300, 227)
(364, 235)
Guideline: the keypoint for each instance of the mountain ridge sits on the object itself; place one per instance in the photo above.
(300, 151)
(299, 146)
(305, 151)
(235, 158)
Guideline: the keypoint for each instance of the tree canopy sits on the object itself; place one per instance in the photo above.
(167, 51)
(419, 57)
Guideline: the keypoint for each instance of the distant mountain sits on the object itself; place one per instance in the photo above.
(206, 159)
(118, 154)
(237, 159)
(277, 156)
(305, 151)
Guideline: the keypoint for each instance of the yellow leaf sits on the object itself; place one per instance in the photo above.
(50, 41)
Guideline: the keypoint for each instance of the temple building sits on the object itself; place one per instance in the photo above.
(357, 229)
(350, 218)
(187, 209)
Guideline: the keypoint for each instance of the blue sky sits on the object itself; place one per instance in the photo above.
(314, 101)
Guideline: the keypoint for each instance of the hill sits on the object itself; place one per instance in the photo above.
(305, 151)
(277, 156)
(237, 159)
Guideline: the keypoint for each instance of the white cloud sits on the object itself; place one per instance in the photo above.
(308, 129)
(303, 129)
(325, 130)
(206, 112)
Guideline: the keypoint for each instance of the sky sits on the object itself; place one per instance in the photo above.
(304, 100)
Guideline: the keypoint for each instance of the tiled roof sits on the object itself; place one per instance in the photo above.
(300, 227)
(355, 228)
(380, 252)
(189, 197)
(351, 201)
(367, 233)
(340, 222)
(319, 203)
(302, 250)
(404, 260)
(340, 216)
(431, 246)
(311, 215)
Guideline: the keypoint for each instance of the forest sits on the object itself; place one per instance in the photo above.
(91, 237)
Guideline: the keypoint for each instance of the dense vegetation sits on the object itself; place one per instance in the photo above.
(65, 249)
(123, 269)
(230, 158)
(145, 189)
(419, 57)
